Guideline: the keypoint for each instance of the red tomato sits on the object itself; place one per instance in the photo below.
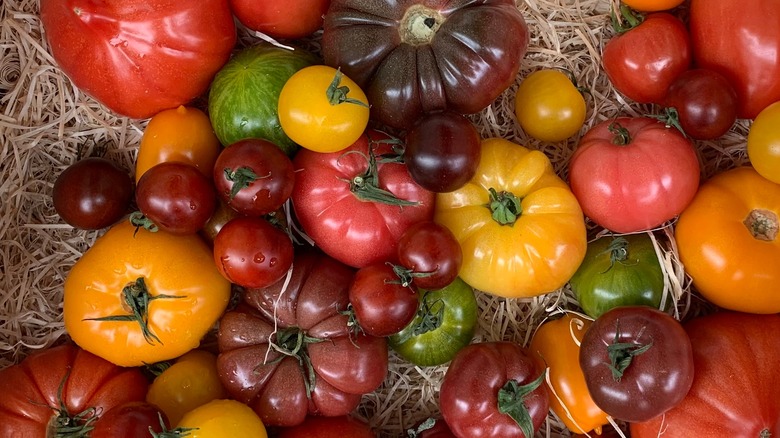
(705, 102)
(736, 386)
(642, 62)
(431, 253)
(383, 305)
(281, 18)
(633, 174)
(63, 387)
(329, 427)
(130, 420)
(335, 201)
(740, 40)
(144, 57)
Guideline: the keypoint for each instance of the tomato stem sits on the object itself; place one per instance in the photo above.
(511, 401)
(762, 224)
(618, 252)
(425, 425)
(292, 342)
(337, 93)
(627, 20)
(505, 206)
(621, 354)
(65, 425)
(419, 25)
(366, 186)
(670, 118)
(241, 178)
(178, 432)
(138, 220)
(429, 318)
(622, 136)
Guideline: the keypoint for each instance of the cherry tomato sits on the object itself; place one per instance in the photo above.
(652, 5)
(130, 420)
(549, 107)
(176, 197)
(223, 419)
(431, 253)
(251, 252)
(763, 143)
(383, 305)
(290, 19)
(705, 102)
(322, 110)
(92, 193)
(328, 427)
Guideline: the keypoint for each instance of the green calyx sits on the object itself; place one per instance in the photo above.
(292, 342)
(366, 186)
(178, 432)
(618, 252)
(338, 94)
(622, 136)
(628, 19)
(241, 178)
(65, 425)
(621, 354)
(505, 207)
(511, 401)
(430, 316)
(671, 118)
(138, 220)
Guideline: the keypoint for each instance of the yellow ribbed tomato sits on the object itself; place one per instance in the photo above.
(521, 229)
(548, 106)
(223, 419)
(143, 297)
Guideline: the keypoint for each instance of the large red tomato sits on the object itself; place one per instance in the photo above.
(740, 40)
(633, 173)
(354, 207)
(281, 18)
(139, 57)
(736, 386)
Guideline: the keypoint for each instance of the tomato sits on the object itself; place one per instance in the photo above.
(520, 228)
(139, 65)
(618, 271)
(63, 389)
(556, 344)
(493, 389)
(175, 197)
(637, 362)
(431, 254)
(329, 427)
(324, 368)
(633, 173)
(354, 206)
(222, 215)
(735, 385)
(244, 96)
(322, 110)
(222, 419)
(254, 177)
(383, 303)
(643, 62)
(189, 382)
(183, 134)
(763, 143)
(431, 428)
(652, 5)
(442, 151)
(740, 40)
(130, 420)
(290, 19)
(705, 104)
(92, 193)
(727, 241)
(251, 252)
(139, 297)
(549, 107)
(445, 322)
(410, 57)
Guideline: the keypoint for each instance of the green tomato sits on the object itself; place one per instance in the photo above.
(445, 323)
(618, 271)
(244, 95)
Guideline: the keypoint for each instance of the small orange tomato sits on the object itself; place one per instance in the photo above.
(652, 5)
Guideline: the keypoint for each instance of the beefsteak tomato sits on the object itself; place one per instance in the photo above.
(417, 56)
(520, 228)
(143, 57)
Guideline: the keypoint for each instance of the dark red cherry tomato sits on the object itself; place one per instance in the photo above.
(432, 254)
(329, 427)
(131, 420)
(383, 305)
(705, 102)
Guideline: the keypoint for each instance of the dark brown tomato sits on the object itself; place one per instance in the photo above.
(705, 102)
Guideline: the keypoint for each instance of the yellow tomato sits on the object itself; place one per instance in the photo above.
(190, 382)
(182, 134)
(728, 242)
(143, 297)
(322, 110)
(549, 107)
(763, 143)
(652, 5)
(223, 419)
(520, 227)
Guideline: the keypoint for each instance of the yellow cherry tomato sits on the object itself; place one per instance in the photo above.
(181, 134)
(763, 143)
(652, 5)
(190, 382)
(322, 110)
(223, 419)
(549, 107)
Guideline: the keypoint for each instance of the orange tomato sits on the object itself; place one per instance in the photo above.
(652, 5)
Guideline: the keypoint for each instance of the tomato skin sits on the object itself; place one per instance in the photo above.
(291, 19)
(329, 427)
(712, 231)
(739, 41)
(705, 101)
(549, 107)
(139, 66)
(763, 143)
(130, 420)
(652, 5)
(382, 304)
(430, 249)
(643, 62)
(655, 380)
(223, 419)
(727, 344)
(30, 389)
(637, 185)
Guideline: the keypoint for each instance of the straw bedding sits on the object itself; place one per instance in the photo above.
(46, 124)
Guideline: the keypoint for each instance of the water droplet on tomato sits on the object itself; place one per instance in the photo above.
(273, 262)
(244, 122)
(259, 257)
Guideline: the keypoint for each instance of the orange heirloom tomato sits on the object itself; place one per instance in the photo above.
(140, 297)
(182, 134)
(222, 419)
(763, 143)
(521, 229)
(556, 345)
(652, 5)
(727, 240)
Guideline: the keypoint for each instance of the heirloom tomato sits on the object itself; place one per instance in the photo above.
(652, 5)
(139, 297)
(727, 241)
(704, 103)
(633, 173)
(493, 389)
(354, 205)
(222, 419)
(289, 350)
(549, 107)
(618, 271)
(556, 346)
(431, 255)
(735, 383)
(418, 56)
(130, 420)
(383, 302)
(183, 134)
(763, 143)
(143, 57)
(328, 427)
(431, 428)
(637, 362)
(520, 228)
(290, 19)
(740, 40)
(62, 390)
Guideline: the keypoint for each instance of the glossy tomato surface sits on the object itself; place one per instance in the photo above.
(223, 419)
(382, 303)
(329, 427)
(289, 19)
(705, 102)
(763, 143)
(548, 106)
(130, 420)
(431, 254)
